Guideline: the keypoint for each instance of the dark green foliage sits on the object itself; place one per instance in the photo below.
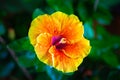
(37, 12)
(22, 44)
(2, 28)
(103, 62)
(61, 5)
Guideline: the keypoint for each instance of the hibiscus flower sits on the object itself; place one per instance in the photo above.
(58, 40)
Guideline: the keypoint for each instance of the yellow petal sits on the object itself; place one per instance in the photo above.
(61, 17)
(43, 24)
(42, 47)
(62, 62)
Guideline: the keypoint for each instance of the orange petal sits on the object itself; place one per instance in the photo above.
(79, 49)
(63, 62)
(42, 47)
(71, 27)
(43, 24)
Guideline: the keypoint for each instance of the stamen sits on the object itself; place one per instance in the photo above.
(59, 42)
(63, 40)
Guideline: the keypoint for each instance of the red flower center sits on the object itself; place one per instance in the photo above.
(59, 42)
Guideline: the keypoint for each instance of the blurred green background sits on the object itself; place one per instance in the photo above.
(101, 19)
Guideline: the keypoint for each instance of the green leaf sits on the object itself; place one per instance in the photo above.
(42, 76)
(27, 60)
(108, 4)
(53, 73)
(103, 50)
(105, 20)
(37, 12)
(2, 28)
(103, 16)
(115, 41)
(61, 5)
(88, 30)
(82, 12)
(30, 5)
(102, 33)
(39, 66)
(22, 44)
(111, 59)
(49, 10)
(97, 46)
